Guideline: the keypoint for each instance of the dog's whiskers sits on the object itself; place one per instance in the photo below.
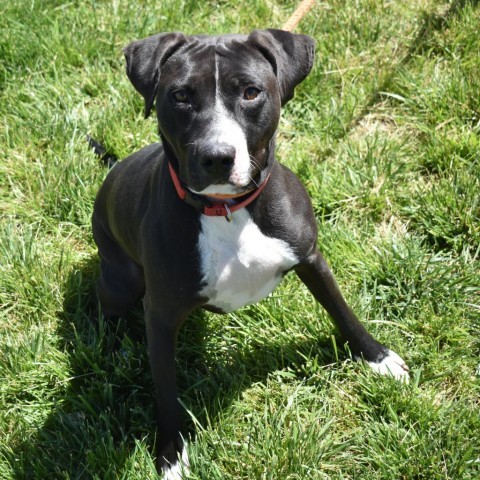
(253, 181)
(255, 162)
(257, 166)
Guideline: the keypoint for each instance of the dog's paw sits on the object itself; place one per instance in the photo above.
(393, 365)
(179, 469)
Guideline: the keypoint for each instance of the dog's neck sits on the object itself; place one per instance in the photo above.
(206, 206)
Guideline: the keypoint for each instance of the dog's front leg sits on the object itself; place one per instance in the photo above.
(316, 275)
(162, 328)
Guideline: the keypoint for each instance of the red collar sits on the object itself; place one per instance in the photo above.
(206, 207)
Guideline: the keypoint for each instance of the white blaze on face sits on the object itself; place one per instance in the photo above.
(228, 131)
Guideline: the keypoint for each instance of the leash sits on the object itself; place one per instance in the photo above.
(302, 9)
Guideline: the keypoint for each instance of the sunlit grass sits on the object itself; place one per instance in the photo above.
(384, 133)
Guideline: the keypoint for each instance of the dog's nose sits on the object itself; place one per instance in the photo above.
(217, 159)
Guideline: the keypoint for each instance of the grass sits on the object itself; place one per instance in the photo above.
(385, 135)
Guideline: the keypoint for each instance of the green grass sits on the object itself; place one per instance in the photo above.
(385, 134)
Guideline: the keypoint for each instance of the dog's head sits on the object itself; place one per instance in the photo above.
(218, 100)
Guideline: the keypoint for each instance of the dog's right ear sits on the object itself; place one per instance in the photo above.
(145, 59)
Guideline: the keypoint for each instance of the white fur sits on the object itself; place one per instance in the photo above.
(179, 469)
(230, 133)
(240, 265)
(392, 365)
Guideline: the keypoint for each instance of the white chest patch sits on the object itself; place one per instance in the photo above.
(240, 265)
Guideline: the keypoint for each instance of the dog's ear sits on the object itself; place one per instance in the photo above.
(291, 56)
(145, 59)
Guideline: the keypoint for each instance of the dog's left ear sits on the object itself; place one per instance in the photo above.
(291, 56)
(145, 59)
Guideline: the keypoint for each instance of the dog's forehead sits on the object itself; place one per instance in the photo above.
(202, 55)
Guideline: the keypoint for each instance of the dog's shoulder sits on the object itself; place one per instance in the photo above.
(285, 211)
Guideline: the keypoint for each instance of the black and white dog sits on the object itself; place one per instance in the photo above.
(208, 218)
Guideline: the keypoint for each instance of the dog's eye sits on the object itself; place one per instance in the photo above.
(251, 93)
(181, 96)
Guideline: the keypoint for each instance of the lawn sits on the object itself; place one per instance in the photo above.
(384, 133)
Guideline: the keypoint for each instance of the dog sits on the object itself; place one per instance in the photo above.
(208, 217)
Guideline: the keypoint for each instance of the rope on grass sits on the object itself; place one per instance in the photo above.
(297, 15)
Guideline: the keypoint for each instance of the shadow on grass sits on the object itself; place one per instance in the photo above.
(107, 406)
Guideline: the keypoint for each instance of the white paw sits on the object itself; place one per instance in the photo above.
(392, 365)
(178, 470)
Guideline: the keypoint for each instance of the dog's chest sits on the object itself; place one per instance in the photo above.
(240, 265)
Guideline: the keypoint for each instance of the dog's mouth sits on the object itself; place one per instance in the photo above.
(224, 191)
(235, 187)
